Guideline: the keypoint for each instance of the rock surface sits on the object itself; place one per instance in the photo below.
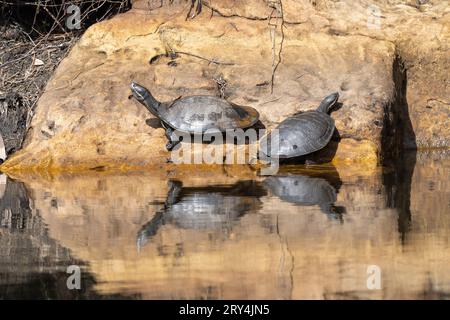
(280, 57)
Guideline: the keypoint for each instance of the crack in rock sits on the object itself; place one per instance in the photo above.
(278, 6)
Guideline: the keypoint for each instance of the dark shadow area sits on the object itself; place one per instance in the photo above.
(399, 151)
(397, 180)
(204, 208)
(13, 120)
(397, 132)
(52, 286)
(210, 139)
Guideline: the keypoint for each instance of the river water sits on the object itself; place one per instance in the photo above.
(310, 232)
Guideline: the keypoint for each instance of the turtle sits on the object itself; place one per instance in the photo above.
(303, 133)
(203, 208)
(195, 114)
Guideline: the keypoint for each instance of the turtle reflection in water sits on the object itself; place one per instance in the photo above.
(308, 189)
(208, 208)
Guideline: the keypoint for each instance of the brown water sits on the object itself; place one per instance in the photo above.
(308, 233)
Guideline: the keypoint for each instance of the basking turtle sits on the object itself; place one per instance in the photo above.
(303, 133)
(195, 114)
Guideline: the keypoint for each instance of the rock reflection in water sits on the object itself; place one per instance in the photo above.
(15, 209)
(307, 190)
(211, 207)
(32, 264)
(397, 182)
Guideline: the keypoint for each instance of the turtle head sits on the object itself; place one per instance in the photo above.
(328, 102)
(144, 96)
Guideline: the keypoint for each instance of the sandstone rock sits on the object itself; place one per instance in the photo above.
(281, 58)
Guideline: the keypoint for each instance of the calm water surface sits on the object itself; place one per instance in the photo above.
(307, 233)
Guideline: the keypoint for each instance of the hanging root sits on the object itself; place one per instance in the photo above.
(197, 11)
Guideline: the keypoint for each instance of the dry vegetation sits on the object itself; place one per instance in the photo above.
(34, 38)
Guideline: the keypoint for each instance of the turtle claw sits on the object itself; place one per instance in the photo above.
(172, 145)
(169, 146)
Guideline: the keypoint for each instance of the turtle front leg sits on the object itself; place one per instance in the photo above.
(173, 140)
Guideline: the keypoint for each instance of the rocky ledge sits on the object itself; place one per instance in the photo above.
(388, 60)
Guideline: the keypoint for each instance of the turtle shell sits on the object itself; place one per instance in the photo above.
(301, 134)
(196, 114)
